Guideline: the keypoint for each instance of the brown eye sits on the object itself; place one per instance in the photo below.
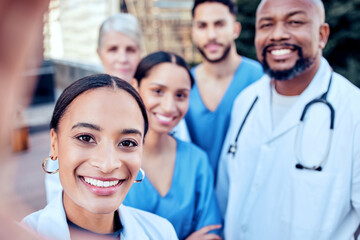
(128, 143)
(112, 49)
(86, 138)
(181, 95)
(158, 91)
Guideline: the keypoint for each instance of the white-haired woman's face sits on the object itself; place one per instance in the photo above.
(119, 54)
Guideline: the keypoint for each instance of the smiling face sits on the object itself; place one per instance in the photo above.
(119, 55)
(214, 30)
(290, 34)
(165, 92)
(99, 147)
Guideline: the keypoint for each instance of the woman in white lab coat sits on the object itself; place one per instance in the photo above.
(119, 48)
(97, 133)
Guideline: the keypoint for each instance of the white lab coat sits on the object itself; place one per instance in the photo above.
(51, 223)
(263, 195)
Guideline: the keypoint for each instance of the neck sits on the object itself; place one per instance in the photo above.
(156, 143)
(98, 223)
(298, 84)
(225, 68)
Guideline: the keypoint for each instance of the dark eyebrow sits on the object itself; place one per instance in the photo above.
(265, 19)
(163, 86)
(131, 131)
(158, 84)
(86, 125)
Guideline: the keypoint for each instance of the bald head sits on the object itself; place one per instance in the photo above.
(290, 36)
(317, 6)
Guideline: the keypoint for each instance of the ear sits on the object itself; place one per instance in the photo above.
(324, 32)
(54, 149)
(237, 30)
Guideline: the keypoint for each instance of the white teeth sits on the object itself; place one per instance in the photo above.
(279, 52)
(163, 118)
(99, 183)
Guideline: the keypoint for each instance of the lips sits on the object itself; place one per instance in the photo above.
(164, 119)
(213, 46)
(99, 183)
(102, 187)
(280, 52)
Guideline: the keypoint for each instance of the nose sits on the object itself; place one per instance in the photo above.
(279, 33)
(211, 32)
(106, 159)
(122, 56)
(168, 104)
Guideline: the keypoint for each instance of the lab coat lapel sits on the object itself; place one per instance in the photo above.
(264, 106)
(52, 221)
(317, 87)
(131, 228)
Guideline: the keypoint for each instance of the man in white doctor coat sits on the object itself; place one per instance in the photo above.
(279, 177)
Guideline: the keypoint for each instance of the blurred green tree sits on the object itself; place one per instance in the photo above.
(342, 50)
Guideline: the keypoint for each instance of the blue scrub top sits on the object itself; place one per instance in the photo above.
(208, 128)
(190, 203)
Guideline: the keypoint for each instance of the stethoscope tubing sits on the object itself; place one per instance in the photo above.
(322, 99)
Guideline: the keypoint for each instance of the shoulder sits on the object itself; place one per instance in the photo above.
(32, 220)
(251, 63)
(49, 221)
(153, 226)
(249, 93)
(53, 207)
(191, 149)
(345, 86)
(194, 160)
(252, 67)
(346, 96)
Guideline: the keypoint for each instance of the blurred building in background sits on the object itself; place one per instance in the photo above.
(71, 35)
(72, 26)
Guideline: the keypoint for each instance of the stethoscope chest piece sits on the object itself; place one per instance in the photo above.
(232, 149)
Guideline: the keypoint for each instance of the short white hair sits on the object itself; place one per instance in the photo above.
(124, 23)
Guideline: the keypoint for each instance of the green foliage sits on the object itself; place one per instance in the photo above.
(246, 16)
(342, 49)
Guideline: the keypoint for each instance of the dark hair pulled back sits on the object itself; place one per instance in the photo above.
(92, 82)
(153, 59)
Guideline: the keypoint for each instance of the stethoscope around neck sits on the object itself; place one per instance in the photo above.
(299, 165)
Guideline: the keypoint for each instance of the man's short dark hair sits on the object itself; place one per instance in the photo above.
(229, 3)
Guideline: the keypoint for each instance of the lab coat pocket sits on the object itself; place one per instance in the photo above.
(310, 202)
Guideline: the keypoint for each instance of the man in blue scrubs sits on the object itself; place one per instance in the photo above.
(221, 76)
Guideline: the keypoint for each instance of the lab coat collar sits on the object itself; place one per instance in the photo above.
(52, 220)
(317, 87)
(53, 224)
(128, 222)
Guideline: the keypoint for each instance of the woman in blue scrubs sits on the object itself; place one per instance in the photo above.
(179, 180)
(97, 133)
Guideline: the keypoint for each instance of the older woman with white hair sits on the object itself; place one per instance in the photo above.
(120, 45)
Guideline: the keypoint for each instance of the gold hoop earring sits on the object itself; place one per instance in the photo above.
(143, 176)
(44, 165)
